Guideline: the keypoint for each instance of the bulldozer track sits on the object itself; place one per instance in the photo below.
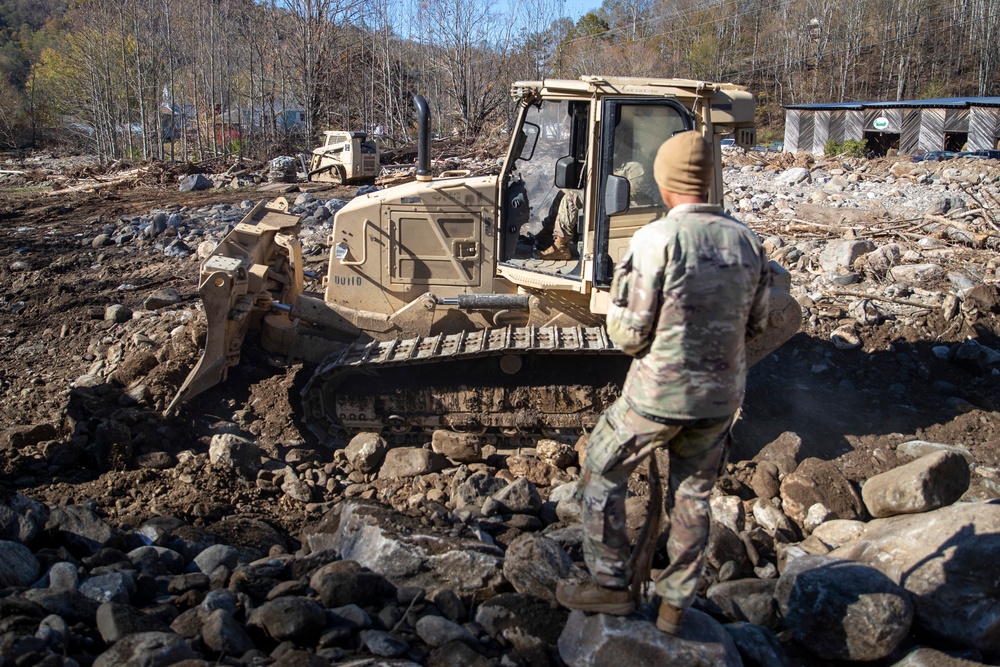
(516, 383)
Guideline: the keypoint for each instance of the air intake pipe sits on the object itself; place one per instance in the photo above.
(423, 138)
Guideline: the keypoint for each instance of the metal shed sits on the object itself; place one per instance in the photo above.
(913, 126)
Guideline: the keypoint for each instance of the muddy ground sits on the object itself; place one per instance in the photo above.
(855, 405)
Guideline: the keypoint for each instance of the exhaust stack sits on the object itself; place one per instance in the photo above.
(423, 138)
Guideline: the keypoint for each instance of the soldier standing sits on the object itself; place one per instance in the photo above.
(686, 297)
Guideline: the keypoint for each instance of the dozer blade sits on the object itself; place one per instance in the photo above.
(257, 265)
(226, 330)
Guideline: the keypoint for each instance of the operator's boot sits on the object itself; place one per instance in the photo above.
(558, 250)
(591, 597)
(670, 618)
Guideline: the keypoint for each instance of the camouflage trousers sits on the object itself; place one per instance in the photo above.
(622, 439)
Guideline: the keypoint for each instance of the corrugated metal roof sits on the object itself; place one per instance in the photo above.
(949, 102)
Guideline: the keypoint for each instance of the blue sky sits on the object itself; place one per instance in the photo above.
(577, 8)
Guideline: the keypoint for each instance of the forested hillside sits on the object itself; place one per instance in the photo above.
(191, 79)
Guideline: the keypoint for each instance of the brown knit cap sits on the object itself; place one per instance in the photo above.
(684, 164)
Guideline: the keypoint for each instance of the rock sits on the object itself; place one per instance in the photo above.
(840, 610)
(411, 462)
(148, 649)
(63, 575)
(928, 657)
(518, 497)
(343, 583)
(535, 470)
(384, 644)
(162, 298)
(232, 451)
(816, 515)
(915, 273)
(783, 452)
(878, 262)
(522, 621)
(72, 605)
(946, 559)
(438, 631)
(449, 604)
(157, 560)
(223, 634)
(750, 600)
(535, 564)
(838, 532)
(794, 176)
(117, 313)
(728, 510)
(83, 531)
(946, 204)
(757, 645)
(818, 481)
(764, 481)
(296, 488)
(216, 555)
(771, 519)
(556, 453)
(928, 483)
(366, 451)
(474, 491)
(193, 182)
(600, 640)
(18, 566)
(405, 552)
(110, 587)
(842, 254)
(460, 447)
(289, 618)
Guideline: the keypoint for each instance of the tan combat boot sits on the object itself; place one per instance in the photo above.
(558, 250)
(670, 618)
(591, 597)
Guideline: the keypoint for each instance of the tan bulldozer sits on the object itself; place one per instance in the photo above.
(435, 312)
(344, 157)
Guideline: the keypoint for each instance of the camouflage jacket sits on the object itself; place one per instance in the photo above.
(687, 295)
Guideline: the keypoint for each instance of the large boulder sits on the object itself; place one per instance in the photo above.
(818, 481)
(600, 640)
(841, 610)
(947, 559)
(841, 254)
(534, 565)
(407, 553)
(83, 531)
(928, 483)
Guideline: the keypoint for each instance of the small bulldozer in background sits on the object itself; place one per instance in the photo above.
(435, 312)
(345, 157)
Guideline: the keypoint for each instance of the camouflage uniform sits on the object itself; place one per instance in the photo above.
(687, 295)
(640, 186)
(567, 215)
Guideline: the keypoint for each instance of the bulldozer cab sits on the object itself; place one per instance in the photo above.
(560, 149)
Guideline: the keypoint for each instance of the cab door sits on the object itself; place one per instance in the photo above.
(631, 134)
